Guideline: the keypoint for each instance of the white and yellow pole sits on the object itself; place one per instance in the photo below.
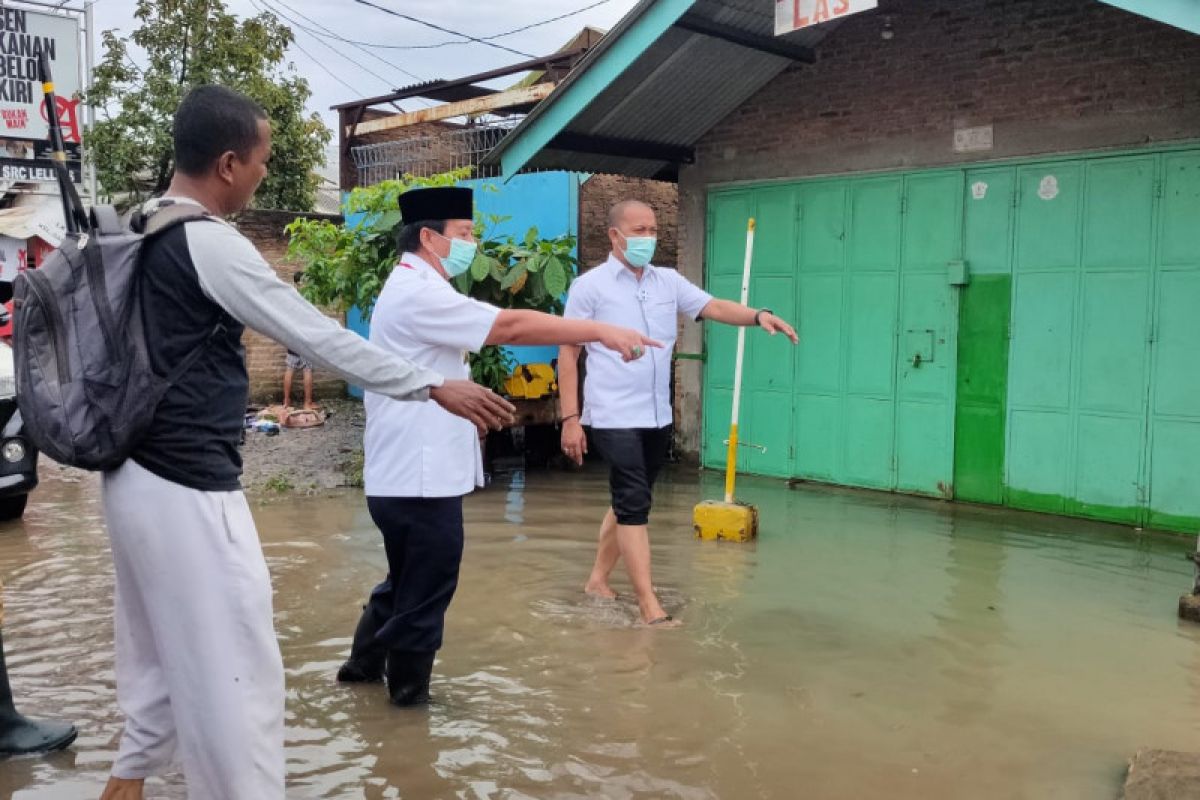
(731, 458)
(730, 520)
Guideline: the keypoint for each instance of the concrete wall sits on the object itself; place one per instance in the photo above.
(1050, 77)
(264, 358)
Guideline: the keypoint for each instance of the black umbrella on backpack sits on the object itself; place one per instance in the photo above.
(73, 210)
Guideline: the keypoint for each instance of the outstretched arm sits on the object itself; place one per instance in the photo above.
(732, 313)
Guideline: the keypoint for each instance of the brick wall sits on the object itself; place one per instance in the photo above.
(599, 193)
(265, 358)
(1050, 76)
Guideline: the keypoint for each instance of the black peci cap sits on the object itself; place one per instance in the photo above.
(438, 203)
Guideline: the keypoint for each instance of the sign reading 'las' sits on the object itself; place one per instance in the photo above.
(792, 15)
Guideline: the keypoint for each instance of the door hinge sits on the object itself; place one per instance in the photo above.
(903, 204)
(1016, 198)
(1158, 188)
(1152, 337)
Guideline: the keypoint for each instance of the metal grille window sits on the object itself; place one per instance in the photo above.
(428, 154)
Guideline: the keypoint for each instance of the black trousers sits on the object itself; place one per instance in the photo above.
(423, 537)
(634, 456)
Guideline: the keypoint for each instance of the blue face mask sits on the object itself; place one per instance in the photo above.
(639, 249)
(462, 253)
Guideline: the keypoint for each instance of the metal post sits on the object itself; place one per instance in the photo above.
(731, 456)
(72, 208)
(90, 55)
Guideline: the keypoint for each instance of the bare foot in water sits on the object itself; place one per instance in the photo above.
(601, 590)
(655, 616)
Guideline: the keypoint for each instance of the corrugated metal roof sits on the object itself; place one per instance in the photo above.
(675, 91)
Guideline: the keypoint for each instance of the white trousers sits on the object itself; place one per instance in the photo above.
(199, 674)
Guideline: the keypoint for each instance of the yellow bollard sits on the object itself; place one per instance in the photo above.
(731, 520)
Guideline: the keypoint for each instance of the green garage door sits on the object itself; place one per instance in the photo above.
(1103, 415)
(867, 398)
(1174, 425)
(1065, 378)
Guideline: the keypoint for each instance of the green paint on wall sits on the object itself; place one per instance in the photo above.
(982, 388)
(1125, 515)
(1170, 522)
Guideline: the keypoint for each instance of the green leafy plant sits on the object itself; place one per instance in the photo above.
(186, 43)
(491, 366)
(347, 265)
(279, 484)
(352, 469)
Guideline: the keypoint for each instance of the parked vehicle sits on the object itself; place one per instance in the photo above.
(18, 457)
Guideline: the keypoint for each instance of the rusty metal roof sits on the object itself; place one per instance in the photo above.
(670, 95)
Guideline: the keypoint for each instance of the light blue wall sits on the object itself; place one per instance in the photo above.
(548, 201)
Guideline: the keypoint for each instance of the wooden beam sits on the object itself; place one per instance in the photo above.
(754, 41)
(621, 148)
(479, 105)
(349, 132)
(420, 89)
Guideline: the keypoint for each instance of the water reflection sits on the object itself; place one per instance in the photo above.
(865, 646)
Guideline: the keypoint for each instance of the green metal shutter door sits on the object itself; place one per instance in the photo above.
(766, 417)
(819, 372)
(869, 333)
(767, 411)
(1080, 338)
(1112, 351)
(983, 336)
(928, 333)
(1175, 386)
(726, 250)
(861, 276)
(1044, 323)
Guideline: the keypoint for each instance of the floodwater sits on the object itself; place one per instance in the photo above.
(866, 646)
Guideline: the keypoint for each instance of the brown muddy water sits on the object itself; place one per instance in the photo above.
(866, 646)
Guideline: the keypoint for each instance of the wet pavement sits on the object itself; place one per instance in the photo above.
(866, 646)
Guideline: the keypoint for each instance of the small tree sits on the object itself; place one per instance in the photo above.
(188, 43)
(347, 265)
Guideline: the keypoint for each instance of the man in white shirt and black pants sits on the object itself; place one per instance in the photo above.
(628, 405)
(420, 461)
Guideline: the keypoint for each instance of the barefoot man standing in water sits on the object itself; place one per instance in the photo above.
(628, 405)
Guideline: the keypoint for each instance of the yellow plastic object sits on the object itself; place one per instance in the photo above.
(732, 522)
(531, 382)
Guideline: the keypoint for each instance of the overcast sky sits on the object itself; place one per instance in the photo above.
(338, 72)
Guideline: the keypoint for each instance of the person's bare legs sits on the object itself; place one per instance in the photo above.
(123, 789)
(287, 387)
(308, 383)
(634, 541)
(608, 552)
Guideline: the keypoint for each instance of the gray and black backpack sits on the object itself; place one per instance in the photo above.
(85, 387)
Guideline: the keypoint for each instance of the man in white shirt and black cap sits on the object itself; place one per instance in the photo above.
(421, 461)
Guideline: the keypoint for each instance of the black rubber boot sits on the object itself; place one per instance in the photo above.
(366, 661)
(21, 736)
(408, 675)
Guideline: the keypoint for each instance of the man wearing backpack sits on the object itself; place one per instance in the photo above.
(199, 673)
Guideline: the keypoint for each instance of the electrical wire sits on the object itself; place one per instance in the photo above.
(444, 30)
(522, 29)
(331, 35)
(320, 63)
